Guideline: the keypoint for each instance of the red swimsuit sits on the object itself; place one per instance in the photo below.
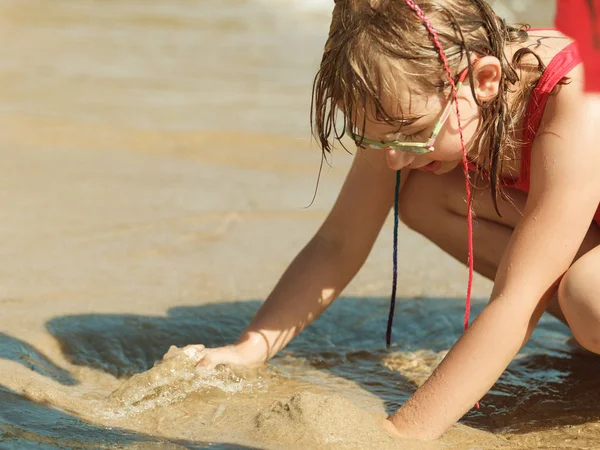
(562, 63)
(557, 69)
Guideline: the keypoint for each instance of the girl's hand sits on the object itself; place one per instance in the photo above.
(229, 355)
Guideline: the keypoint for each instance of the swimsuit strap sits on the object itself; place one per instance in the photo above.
(564, 61)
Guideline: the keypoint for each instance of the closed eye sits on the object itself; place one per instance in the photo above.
(413, 136)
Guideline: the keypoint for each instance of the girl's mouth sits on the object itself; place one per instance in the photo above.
(431, 167)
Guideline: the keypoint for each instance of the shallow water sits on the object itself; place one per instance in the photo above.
(151, 149)
(548, 395)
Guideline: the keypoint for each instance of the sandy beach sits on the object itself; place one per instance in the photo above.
(157, 168)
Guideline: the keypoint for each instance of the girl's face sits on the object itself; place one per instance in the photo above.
(426, 111)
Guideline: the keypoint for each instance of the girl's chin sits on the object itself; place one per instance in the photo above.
(439, 167)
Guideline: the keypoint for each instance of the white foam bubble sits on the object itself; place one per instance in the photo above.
(170, 381)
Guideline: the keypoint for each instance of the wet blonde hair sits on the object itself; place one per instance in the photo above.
(366, 36)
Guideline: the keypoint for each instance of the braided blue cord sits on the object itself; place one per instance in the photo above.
(388, 334)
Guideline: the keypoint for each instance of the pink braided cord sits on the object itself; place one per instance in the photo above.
(465, 162)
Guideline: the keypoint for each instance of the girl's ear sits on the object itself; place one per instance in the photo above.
(487, 73)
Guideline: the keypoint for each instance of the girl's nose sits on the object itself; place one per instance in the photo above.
(397, 160)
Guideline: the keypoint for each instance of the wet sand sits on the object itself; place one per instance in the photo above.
(154, 188)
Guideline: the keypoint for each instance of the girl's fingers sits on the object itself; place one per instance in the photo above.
(191, 351)
(206, 362)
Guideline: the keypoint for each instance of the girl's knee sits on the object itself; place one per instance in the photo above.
(589, 341)
(580, 304)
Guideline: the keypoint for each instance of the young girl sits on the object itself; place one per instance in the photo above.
(410, 81)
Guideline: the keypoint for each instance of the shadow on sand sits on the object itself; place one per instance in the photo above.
(546, 386)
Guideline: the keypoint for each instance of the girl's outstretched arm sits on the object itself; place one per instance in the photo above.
(329, 261)
(322, 269)
(564, 195)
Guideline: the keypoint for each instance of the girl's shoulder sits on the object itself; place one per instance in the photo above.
(551, 85)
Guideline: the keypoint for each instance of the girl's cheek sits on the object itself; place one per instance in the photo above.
(447, 148)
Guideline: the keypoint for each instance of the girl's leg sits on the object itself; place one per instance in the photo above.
(435, 207)
(579, 300)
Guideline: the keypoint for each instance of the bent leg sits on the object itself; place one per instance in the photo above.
(579, 300)
(428, 200)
